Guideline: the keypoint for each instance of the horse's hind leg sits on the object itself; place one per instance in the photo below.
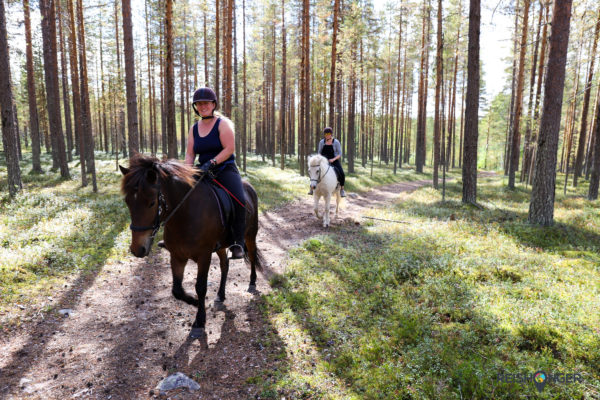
(201, 281)
(224, 264)
(253, 257)
(177, 269)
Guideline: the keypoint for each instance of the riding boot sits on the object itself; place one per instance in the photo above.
(161, 244)
(310, 192)
(239, 228)
(342, 192)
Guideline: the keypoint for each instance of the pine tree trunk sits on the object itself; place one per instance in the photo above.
(132, 118)
(47, 8)
(86, 115)
(438, 82)
(586, 102)
(79, 135)
(244, 132)
(31, 94)
(336, 12)
(150, 86)
(541, 208)
(65, 87)
(283, 109)
(515, 131)
(9, 138)
(595, 174)
(170, 82)
(511, 109)
(421, 146)
(469, 168)
(538, 91)
(527, 145)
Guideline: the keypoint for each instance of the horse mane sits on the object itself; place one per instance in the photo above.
(316, 160)
(140, 165)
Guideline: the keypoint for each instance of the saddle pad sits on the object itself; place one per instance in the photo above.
(226, 209)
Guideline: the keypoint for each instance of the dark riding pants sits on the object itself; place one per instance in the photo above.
(230, 177)
(337, 165)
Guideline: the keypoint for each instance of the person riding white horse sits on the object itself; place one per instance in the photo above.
(323, 183)
(330, 148)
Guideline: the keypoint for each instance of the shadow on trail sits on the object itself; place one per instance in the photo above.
(34, 346)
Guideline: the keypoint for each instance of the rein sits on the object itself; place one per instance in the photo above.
(162, 207)
(321, 177)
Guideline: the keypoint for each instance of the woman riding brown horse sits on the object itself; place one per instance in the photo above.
(166, 193)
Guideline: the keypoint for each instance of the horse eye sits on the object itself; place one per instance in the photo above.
(152, 204)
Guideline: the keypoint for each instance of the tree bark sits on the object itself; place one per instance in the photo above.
(282, 109)
(438, 83)
(421, 146)
(132, 118)
(86, 114)
(595, 174)
(469, 168)
(31, 94)
(336, 12)
(47, 8)
(541, 207)
(515, 131)
(79, 136)
(9, 137)
(170, 83)
(586, 102)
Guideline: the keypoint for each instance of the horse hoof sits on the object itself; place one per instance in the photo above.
(252, 288)
(219, 300)
(196, 333)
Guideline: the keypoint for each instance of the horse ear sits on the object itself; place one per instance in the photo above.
(152, 176)
(124, 170)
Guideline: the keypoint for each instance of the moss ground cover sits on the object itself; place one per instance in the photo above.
(439, 305)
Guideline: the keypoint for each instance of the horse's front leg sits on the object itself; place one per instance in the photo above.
(224, 264)
(177, 269)
(338, 198)
(326, 212)
(201, 279)
(316, 198)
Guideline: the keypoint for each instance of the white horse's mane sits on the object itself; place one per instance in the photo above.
(317, 160)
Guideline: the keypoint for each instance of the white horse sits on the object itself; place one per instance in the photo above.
(324, 183)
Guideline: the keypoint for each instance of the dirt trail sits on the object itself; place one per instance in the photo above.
(126, 332)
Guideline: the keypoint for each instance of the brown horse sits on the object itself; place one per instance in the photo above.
(157, 193)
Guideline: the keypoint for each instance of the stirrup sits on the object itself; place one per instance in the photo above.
(237, 251)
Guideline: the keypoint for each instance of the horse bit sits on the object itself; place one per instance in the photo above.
(161, 209)
(319, 178)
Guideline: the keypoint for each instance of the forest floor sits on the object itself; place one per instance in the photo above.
(124, 332)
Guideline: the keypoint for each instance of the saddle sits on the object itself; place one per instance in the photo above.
(226, 212)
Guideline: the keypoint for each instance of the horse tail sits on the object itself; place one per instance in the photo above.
(259, 259)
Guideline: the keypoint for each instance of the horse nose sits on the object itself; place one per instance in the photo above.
(141, 251)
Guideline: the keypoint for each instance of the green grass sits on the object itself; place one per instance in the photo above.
(54, 231)
(438, 306)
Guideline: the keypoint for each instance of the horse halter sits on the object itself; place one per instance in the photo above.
(162, 207)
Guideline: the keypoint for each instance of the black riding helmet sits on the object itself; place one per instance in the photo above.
(204, 94)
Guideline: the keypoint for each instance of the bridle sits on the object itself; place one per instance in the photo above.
(318, 180)
(161, 209)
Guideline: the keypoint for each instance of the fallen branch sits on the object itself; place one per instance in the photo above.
(388, 220)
